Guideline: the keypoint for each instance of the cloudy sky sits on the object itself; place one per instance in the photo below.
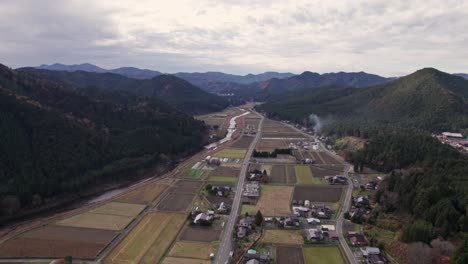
(238, 36)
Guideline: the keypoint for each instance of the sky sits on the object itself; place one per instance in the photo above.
(390, 38)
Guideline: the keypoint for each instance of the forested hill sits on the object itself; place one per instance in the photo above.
(56, 140)
(310, 80)
(427, 99)
(177, 92)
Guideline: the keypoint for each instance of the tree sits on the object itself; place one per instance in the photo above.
(265, 173)
(258, 218)
(419, 253)
(460, 256)
(418, 231)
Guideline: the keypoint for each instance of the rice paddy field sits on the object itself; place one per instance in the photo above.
(143, 195)
(192, 249)
(304, 175)
(289, 237)
(274, 201)
(322, 255)
(149, 240)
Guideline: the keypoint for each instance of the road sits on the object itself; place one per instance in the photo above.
(346, 204)
(226, 246)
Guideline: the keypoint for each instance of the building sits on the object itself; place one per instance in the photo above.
(313, 221)
(313, 235)
(223, 208)
(450, 135)
(203, 219)
(358, 240)
(338, 179)
(363, 201)
(327, 228)
(250, 192)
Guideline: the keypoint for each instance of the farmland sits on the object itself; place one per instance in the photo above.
(272, 144)
(322, 171)
(286, 255)
(317, 193)
(243, 142)
(57, 241)
(278, 174)
(190, 249)
(274, 201)
(176, 202)
(149, 240)
(274, 129)
(143, 195)
(222, 179)
(304, 175)
(323, 255)
(124, 209)
(200, 233)
(234, 153)
(171, 260)
(282, 237)
(185, 187)
(97, 221)
(225, 172)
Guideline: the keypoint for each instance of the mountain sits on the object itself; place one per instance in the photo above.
(179, 93)
(58, 141)
(313, 80)
(223, 77)
(130, 72)
(427, 99)
(464, 75)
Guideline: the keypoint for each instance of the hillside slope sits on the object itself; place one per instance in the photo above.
(179, 93)
(427, 99)
(56, 140)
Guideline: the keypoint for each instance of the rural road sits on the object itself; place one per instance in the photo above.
(225, 246)
(346, 203)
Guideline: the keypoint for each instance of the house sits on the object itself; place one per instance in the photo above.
(223, 208)
(300, 211)
(452, 135)
(307, 203)
(313, 221)
(241, 232)
(251, 190)
(252, 254)
(246, 222)
(375, 259)
(371, 185)
(338, 179)
(367, 251)
(358, 240)
(253, 261)
(327, 228)
(203, 219)
(333, 235)
(291, 221)
(362, 201)
(313, 234)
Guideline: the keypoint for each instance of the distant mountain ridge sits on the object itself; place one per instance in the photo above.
(464, 75)
(175, 91)
(131, 72)
(313, 80)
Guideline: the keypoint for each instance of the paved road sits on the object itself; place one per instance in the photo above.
(226, 245)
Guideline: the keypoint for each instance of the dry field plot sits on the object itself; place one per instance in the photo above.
(319, 171)
(57, 241)
(97, 221)
(171, 260)
(272, 144)
(290, 237)
(243, 142)
(196, 250)
(182, 186)
(143, 195)
(233, 153)
(200, 233)
(123, 209)
(149, 240)
(222, 171)
(329, 159)
(325, 194)
(304, 175)
(323, 255)
(176, 202)
(286, 255)
(278, 174)
(216, 200)
(274, 200)
(317, 157)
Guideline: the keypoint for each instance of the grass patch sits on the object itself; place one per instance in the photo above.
(194, 174)
(283, 237)
(322, 255)
(233, 153)
(304, 175)
(222, 179)
(187, 249)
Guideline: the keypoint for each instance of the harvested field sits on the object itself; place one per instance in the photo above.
(182, 186)
(323, 255)
(278, 174)
(149, 240)
(291, 174)
(176, 202)
(123, 209)
(243, 142)
(317, 158)
(289, 237)
(274, 200)
(279, 134)
(329, 159)
(322, 172)
(57, 241)
(272, 144)
(196, 250)
(143, 195)
(234, 153)
(200, 233)
(222, 179)
(171, 260)
(97, 221)
(225, 172)
(318, 193)
(286, 255)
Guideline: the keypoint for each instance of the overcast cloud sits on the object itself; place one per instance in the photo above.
(238, 36)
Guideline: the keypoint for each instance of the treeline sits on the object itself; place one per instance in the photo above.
(273, 154)
(427, 180)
